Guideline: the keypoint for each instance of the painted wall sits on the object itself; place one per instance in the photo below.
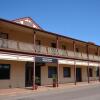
(46, 81)
(44, 74)
(17, 75)
(94, 75)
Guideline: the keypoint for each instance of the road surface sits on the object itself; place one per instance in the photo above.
(88, 92)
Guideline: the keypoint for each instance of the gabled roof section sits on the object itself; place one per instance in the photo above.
(28, 22)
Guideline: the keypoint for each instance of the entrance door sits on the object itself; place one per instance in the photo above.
(38, 74)
(29, 74)
(78, 74)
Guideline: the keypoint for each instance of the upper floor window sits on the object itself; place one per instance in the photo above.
(77, 50)
(4, 71)
(38, 42)
(67, 72)
(53, 45)
(3, 35)
(96, 53)
(63, 47)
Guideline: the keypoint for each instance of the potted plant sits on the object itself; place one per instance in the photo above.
(37, 81)
(54, 77)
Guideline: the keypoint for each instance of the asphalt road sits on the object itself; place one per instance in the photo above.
(91, 92)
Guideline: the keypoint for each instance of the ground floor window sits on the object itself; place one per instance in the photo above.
(52, 71)
(97, 72)
(4, 71)
(90, 72)
(66, 71)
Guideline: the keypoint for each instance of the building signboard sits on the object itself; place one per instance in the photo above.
(45, 59)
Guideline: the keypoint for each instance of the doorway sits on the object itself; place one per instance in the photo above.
(29, 74)
(38, 74)
(78, 74)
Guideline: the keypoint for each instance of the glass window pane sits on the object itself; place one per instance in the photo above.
(4, 71)
(52, 71)
(66, 72)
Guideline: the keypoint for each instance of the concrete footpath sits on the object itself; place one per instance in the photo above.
(8, 94)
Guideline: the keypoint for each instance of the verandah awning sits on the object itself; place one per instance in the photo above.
(78, 62)
(16, 57)
(19, 57)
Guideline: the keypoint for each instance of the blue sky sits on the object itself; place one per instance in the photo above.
(78, 19)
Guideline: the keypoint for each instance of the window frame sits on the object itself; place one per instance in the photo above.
(64, 47)
(97, 72)
(53, 45)
(3, 35)
(5, 76)
(68, 70)
(50, 75)
(77, 49)
(38, 42)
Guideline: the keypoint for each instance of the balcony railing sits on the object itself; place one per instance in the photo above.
(28, 47)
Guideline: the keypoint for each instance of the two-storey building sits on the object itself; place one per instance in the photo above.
(28, 52)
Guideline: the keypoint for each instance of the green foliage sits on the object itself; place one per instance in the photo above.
(37, 80)
(54, 77)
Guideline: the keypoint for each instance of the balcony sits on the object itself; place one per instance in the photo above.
(6, 44)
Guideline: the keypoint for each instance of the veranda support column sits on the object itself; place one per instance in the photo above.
(57, 73)
(99, 73)
(98, 63)
(75, 71)
(34, 36)
(88, 72)
(74, 63)
(34, 75)
(57, 42)
(88, 64)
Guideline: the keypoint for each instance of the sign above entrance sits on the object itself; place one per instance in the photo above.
(46, 59)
